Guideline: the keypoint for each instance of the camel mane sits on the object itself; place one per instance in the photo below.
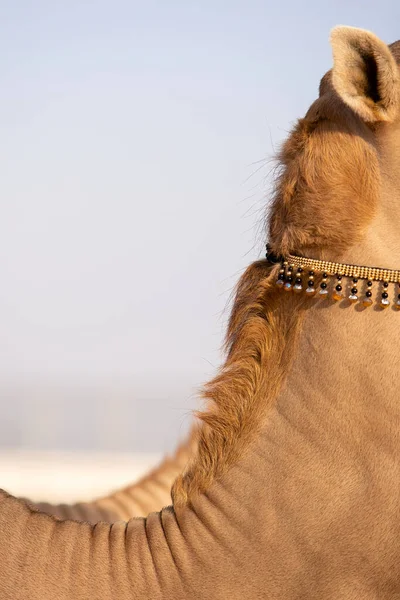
(326, 193)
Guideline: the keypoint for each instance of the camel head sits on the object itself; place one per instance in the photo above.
(339, 175)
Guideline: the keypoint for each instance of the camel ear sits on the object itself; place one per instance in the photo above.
(365, 74)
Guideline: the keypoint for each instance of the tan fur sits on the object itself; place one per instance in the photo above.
(294, 491)
(330, 154)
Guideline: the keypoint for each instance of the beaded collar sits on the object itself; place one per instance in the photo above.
(297, 274)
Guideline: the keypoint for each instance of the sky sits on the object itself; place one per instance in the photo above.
(137, 141)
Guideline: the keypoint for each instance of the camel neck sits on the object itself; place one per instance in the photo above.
(340, 388)
(326, 461)
(345, 360)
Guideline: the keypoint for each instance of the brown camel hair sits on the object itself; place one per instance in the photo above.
(293, 492)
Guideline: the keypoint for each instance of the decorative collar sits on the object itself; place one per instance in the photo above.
(297, 269)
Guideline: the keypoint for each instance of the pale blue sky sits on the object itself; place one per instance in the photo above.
(130, 195)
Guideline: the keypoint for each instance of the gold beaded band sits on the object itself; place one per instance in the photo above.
(332, 268)
(294, 269)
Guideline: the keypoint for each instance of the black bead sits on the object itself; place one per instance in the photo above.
(324, 285)
(290, 268)
(369, 294)
(385, 295)
(339, 277)
(311, 283)
(324, 275)
(281, 276)
(300, 270)
(398, 295)
(355, 279)
(338, 288)
(369, 284)
(385, 285)
(354, 290)
(311, 273)
(289, 278)
(298, 279)
(271, 256)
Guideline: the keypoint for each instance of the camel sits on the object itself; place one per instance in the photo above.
(150, 493)
(293, 491)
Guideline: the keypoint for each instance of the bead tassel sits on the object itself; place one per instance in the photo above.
(298, 282)
(281, 277)
(354, 291)
(289, 279)
(368, 295)
(323, 291)
(385, 296)
(397, 305)
(310, 290)
(337, 294)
